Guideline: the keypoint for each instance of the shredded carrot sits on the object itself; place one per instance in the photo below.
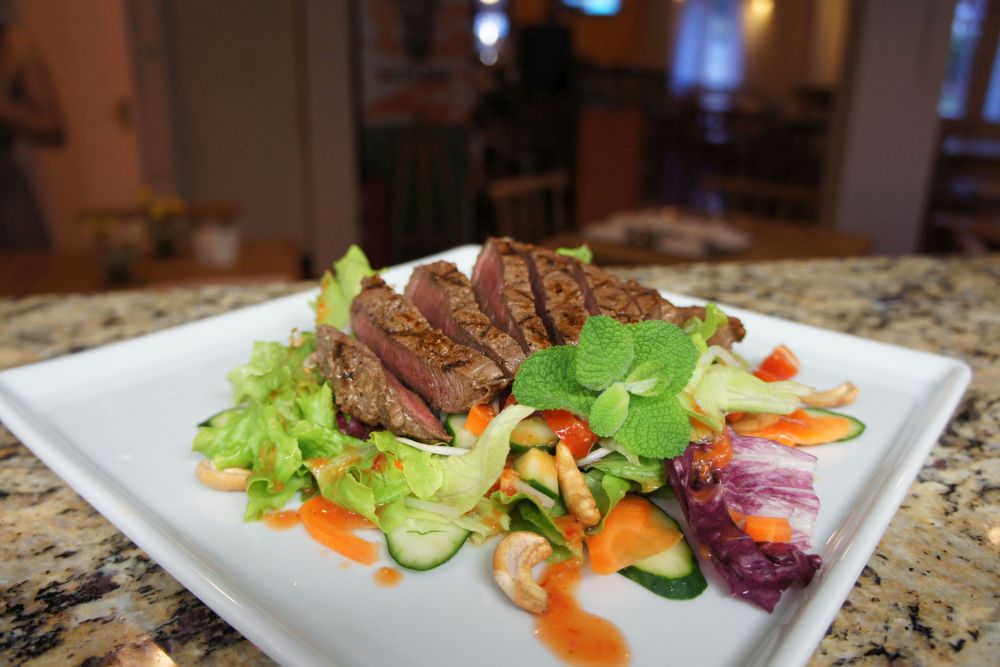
(767, 528)
(632, 532)
(479, 418)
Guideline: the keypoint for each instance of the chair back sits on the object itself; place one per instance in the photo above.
(530, 207)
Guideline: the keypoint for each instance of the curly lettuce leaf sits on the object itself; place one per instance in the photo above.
(339, 287)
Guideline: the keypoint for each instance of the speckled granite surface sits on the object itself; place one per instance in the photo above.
(76, 591)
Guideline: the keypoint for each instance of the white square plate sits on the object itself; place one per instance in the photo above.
(117, 422)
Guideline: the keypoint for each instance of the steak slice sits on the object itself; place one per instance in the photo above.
(366, 390)
(630, 302)
(445, 297)
(604, 294)
(502, 283)
(557, 294)
(450, 376)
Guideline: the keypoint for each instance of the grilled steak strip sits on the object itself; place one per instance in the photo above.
(629, 302)
(450, 376)
(502, 283)
(604, 294)
(557, 294)
(364, 389)
(445, 297)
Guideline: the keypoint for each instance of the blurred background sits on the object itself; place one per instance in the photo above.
(167, 142)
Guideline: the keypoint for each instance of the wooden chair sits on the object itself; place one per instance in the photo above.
(530, 207)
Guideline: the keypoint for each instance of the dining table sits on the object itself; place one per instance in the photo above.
(76, 590)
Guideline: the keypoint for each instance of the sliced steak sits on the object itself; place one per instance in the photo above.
(502, 283)
(733, 332)
(368, 392)
(445, 297)
(557, 294)
(450, 376)
(604, 294)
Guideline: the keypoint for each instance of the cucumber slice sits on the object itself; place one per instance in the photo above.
(219, 418)
(424, 545)
(538, 468)
(857, 426)
(532, 432)
(673, 573)
(455, 425)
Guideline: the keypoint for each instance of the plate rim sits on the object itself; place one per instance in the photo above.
(791, 640)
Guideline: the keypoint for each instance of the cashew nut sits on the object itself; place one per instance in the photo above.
(573, 487)
(842, 394)
(228, 479)
(516, 554)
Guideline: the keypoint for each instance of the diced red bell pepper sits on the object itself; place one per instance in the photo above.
(781, 364)
(574, 432)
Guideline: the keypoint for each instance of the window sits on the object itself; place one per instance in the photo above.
(966, 27)
(709, 52)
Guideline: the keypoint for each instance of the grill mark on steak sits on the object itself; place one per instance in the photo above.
(502, 284)
(557, 295)
(450, 376)
(367, 391)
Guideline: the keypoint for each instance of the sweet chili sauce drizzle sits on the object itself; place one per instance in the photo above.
(387, 576)
(572, 634)
(281, 520)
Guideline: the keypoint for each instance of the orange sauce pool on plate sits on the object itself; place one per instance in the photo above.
(281, 520)
(387, 576)
(333, 526)
(573, 635)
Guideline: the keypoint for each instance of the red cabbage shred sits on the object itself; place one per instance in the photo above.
(757, 572)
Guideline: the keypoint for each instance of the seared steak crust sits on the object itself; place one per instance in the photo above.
(445, 297)
(450, 376)
(502, 283)
(604, 294)
(557, 294)
(364, 389)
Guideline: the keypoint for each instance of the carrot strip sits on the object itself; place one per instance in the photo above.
(331, 525)
(632, 532)
(767, 528)
(800, 428)
(479, 418)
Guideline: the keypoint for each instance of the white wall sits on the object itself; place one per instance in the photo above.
(237, 110)
(888, 135)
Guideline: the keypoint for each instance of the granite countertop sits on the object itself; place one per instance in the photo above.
(77, 591)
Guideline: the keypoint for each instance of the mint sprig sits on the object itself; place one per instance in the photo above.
(623, 378)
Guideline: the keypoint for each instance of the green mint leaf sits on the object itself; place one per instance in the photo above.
(609, 410)
(582, 253)
(650, 378)
(605, 352)
(659, 342)
(547, 381)
(656, 427)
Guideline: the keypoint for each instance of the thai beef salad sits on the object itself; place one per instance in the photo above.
(541, 404)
